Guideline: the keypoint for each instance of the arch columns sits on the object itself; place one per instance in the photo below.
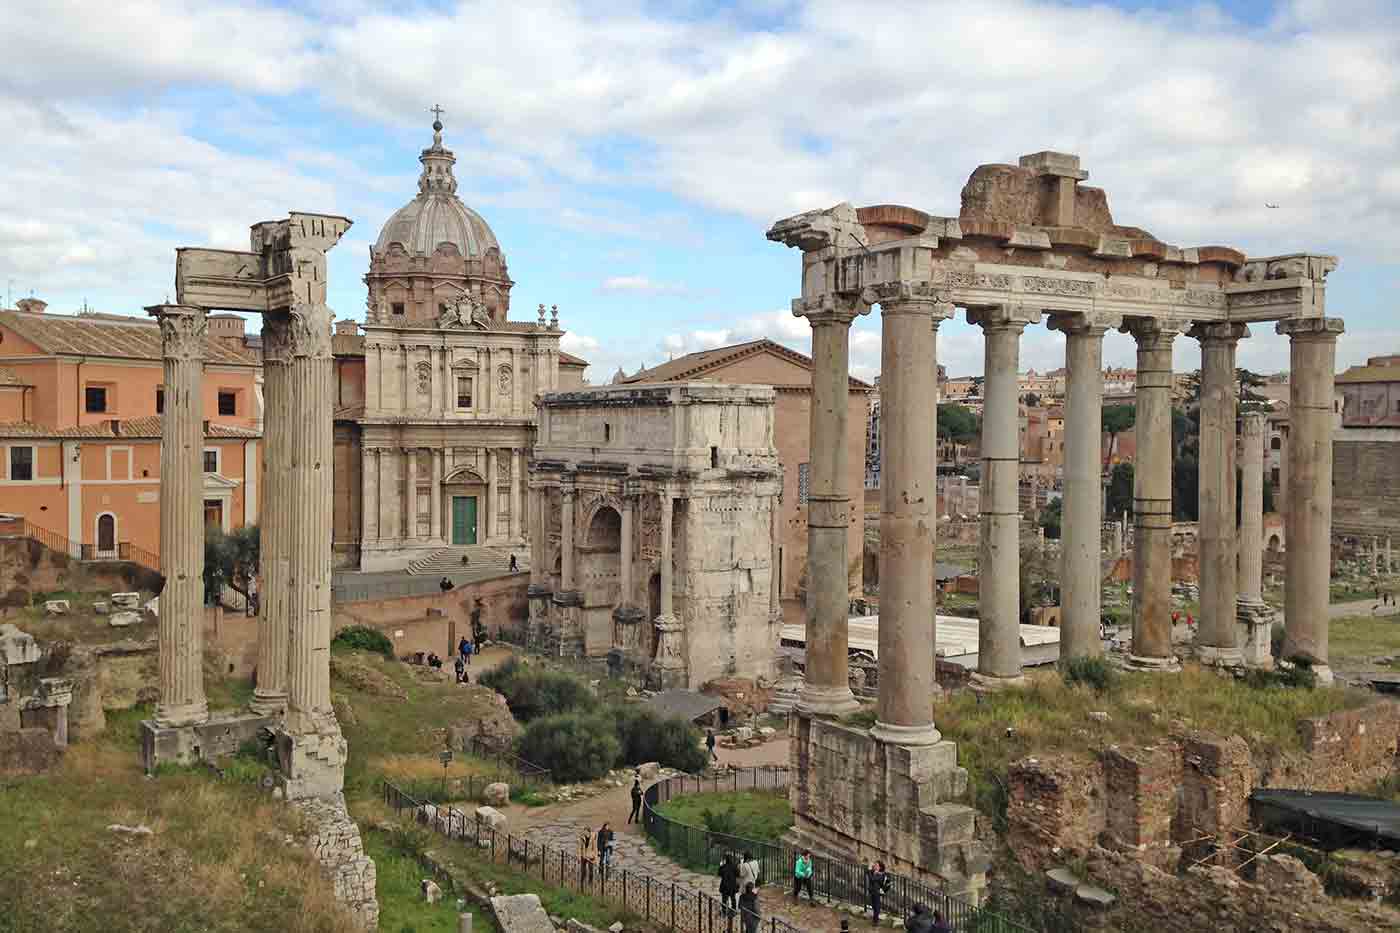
(999, 554)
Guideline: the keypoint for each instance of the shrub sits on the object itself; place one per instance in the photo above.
(1095, 673)
(721, 822)
(532, 692)
(645, 736)
(572, 746)
(364, 638)
(503, 674)
(1297, 672)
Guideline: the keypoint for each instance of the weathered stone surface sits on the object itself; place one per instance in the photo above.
(27, 752)
(129, 601)
(56, 607)
(1094, 896)
(17, 647)
(497, 794)
(335, 841)
(521, 913)
(432, 893)
(123, 619)
(1062, 880)
(491, 818)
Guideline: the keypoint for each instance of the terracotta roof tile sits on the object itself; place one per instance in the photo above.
(1371, 374)
(697, 365)
(572, 360)
(108, 335)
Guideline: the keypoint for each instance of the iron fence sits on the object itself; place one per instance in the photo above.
(528, 773)
(666, 904)
(833, 879)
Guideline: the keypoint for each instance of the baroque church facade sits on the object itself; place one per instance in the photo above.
(436, 417)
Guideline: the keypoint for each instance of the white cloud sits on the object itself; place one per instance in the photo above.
(640, 285)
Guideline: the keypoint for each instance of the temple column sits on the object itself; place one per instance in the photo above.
(410, 493)
(435, 496)
(1152, 498)
(1254, 618)
(181, 636)
(312, 750)
(775, 574)
(668, 671)
(908, 344)
(1312, 366)
(492, 498)
(270, 694)
(566, 537)
(827, 691)
(999, 554)
(516, 529)
(1082, 518)
(1216, 641)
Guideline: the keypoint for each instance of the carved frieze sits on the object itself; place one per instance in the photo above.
(424, 371)
(650, 528)
(1044, 285)
(504, 380)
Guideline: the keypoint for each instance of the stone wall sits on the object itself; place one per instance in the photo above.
(1366, 483)
(335, 840)
(1189, 790)
(431, 622)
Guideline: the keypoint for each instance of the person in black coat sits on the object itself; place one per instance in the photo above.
(728, 882)
(636, 815)
(877, 882)
(748, 909)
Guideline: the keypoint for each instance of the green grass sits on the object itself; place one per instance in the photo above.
(761, 815)
(401, 905)
(1357, 638)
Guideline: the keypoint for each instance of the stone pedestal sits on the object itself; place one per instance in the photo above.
(1307, 583)
(827, 691)
(1082, 516)
(181, 635)
(1216, 643)
(218, 737)
(1152, 499)
(862, 799)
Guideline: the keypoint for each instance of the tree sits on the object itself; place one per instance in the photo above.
(1031, 400)
(1249, 400)
(230, 560)
(1117, 419)
(1120, 491)
(1050, 518)
(957, 423)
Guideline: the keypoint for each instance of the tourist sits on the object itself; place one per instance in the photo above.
(728, 882)
(462, 644)
(636, 815)
(466, 560)
(802, 876)
(445, 584)
(514, 564)
(605, 848)
(877, 882)
(920, 921)
(940, 925)
(587, 858)
(748, 870)
(748, 909)
(468, 652)
(710, 743)
(459, 667)
(434, 661)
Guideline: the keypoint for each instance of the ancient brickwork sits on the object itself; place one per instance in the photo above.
(1140, 787)
(1350, 749)
(1366, 480)
(1055, 804)
(335, 841)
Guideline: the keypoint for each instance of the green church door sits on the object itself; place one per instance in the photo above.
(464, 519)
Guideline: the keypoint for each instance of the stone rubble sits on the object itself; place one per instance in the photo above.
(335, 841)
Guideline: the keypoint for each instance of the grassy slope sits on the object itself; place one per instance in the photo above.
(760, 815)
(1358, 638)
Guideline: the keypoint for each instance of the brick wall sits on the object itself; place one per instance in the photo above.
(1366, 484)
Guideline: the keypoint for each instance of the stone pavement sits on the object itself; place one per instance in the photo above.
(633, 853)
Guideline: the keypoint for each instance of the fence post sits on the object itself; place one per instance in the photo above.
(673, 905)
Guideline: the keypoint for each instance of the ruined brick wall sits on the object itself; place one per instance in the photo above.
(1366, 482)
(1054, 805)
(1140, 787)
(1217, 776)
(335, 841)
(1349, 750)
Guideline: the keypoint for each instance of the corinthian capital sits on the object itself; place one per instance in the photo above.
(916, 297)
(182, 331)
(1218, 332)
(1009, 316)
(833, 308)
(309, 330)
(276, 337)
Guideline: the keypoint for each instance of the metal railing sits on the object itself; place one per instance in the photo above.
(663, 903)
(529, 773)
(833, 879)
(138, 555)
(123, 551)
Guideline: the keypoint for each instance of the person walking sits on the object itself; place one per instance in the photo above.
(605, 844)
(802, 876)
(748, 870)
(587, 858)
(710, 743)
(636, 815)
(445, 585)
(514, 564)
(459, 667)
(728, 883)
(748, 909)
(877, 882)
(462, 648)
(468, 652)
(920, 921)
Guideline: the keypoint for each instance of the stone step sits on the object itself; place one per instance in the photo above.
(480, 557)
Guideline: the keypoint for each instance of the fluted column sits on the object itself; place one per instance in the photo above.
(517, 531)
(827, 690)
(435, 496)
(1254, 617)
(314, 755)
(1217, 641)
(1082, 516)
(270, 694)
(566, 537)
(1152, 497)
(908, 345)
(1312, 366)
(668, 670)
(999, 555)
(410, 493)
(181, 636)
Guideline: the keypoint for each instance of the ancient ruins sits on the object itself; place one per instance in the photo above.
(654, 529)
(283, 278)
(1030, 242)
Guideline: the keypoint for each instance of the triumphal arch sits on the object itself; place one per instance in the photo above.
(1030, 243)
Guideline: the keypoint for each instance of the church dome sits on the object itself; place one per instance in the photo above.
(437, 218)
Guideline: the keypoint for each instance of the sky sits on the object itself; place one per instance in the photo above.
(630, 155)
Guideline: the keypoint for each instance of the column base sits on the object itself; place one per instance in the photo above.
(817, 700)
(271, 703)
(991, 683)
(185, 714)
(218, 737)
(312, 763)
(1219, 657)
(909, 736)
(1169, 665)
(1254, 623)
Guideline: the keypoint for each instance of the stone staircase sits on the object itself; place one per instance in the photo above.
(481, 558)
(785, 695)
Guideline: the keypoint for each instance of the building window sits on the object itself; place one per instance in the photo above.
(607, 433)
(397, 307)
(95, 399)
(21, 463)
(464, 391)
(228, 403)
(160, 400)
(1276, 443)
(1274, 477)
(804, 481)
(211, 461)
